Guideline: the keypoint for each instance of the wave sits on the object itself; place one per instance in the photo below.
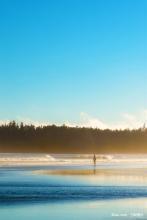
(58, 193)
(55, 159)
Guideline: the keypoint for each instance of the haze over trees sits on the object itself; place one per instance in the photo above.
(53, 139)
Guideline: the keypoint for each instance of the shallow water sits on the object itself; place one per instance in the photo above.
(25, 194)
(88, 210)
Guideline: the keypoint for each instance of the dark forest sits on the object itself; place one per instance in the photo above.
(53, 139)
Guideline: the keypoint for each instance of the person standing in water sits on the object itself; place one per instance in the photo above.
(94, 160)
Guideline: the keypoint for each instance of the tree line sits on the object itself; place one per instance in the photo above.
(16, 137)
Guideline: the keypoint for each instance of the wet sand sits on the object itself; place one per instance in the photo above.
(127, 172)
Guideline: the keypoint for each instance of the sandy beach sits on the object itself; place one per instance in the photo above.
(97, 172)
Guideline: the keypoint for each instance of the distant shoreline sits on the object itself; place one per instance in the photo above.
(23, 138)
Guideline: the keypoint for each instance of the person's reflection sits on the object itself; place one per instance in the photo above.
(94, 163)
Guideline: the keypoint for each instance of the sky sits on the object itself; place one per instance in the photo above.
(74, 62)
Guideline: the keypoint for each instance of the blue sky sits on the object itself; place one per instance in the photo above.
(63, 60)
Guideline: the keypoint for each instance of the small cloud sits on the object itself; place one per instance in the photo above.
(127, 121)
(29, 121)
(5, 121)
(88, 121)
(144, 113)
(129, 117)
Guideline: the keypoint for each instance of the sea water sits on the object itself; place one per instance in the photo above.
(25, 194)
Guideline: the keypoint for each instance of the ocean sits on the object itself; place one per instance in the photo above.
(117, 190)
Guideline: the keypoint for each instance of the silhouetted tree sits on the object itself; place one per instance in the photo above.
(28, 138)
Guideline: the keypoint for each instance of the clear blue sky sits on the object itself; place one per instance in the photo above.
(60, 58)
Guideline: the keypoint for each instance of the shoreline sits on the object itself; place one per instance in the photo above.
(96, 172)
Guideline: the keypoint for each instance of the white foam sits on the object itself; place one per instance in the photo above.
(61, 159)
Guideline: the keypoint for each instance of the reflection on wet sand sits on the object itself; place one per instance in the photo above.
(118, 176)
(132, 172)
